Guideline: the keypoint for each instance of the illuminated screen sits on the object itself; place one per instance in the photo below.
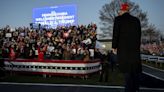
(64, 15)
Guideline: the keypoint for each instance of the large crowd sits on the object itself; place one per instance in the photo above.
(153, 48)
(68, 43)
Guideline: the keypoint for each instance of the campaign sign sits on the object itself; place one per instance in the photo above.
(8, 35)
(64, 15)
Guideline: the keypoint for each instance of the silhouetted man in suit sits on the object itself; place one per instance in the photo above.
(126, 42)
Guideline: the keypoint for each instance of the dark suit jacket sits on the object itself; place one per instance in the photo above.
(126, 38)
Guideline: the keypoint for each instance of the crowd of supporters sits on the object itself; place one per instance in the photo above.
(153, 48)
(68, 43)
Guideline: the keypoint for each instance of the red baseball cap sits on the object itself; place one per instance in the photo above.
(124, 7)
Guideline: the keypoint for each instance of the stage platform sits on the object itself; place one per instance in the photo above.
(31, 87)
(153, 72)
(53, 67)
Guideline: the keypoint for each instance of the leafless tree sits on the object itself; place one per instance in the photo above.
(110, 10)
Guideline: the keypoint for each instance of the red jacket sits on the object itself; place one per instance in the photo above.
(40, 55)
(12, 53)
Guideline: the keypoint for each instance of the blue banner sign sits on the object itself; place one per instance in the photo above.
(64, 15)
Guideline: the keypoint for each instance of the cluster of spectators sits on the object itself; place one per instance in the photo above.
(153, 48)
(67, 43)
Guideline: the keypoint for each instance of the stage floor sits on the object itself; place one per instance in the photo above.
(35, 87)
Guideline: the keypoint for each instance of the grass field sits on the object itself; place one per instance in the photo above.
(115, 78)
